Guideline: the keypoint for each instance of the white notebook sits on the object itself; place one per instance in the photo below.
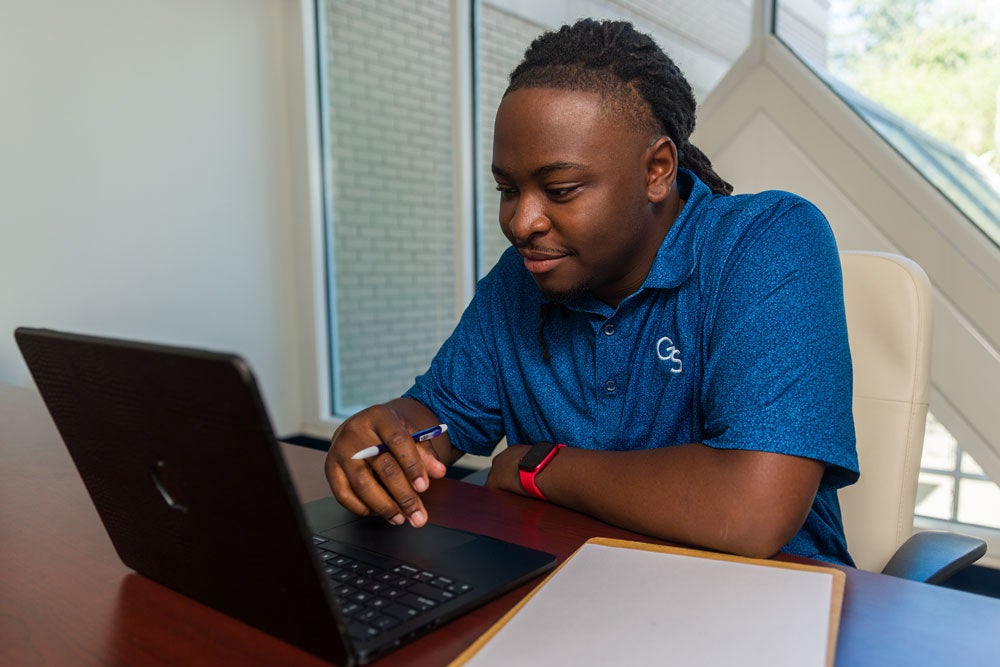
(616, 602)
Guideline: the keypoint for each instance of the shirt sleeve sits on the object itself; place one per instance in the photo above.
(778, 368)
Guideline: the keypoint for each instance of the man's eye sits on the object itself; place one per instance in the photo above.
(505, 190)
(558, 193)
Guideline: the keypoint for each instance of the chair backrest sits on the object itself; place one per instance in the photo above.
(888, 301)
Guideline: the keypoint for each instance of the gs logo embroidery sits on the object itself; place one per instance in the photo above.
(667, 351)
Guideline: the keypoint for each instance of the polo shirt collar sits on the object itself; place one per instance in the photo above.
(675, 260)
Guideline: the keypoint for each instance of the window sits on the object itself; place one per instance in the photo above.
(925, 75)
(907, 67)
(387, 95)
(952, 486)
(393, 104)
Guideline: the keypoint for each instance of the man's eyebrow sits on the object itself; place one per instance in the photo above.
(558, 166)
(544, 169)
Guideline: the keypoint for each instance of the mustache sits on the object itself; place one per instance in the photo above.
(528, 246)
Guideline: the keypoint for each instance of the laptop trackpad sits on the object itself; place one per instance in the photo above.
(415, 545)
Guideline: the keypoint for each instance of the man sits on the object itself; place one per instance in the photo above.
(688, 347)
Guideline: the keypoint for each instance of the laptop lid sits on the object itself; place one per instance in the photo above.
(176, 450)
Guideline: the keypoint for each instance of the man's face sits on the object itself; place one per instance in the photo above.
(575, 193)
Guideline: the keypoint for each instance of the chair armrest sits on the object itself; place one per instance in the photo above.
(932, 556)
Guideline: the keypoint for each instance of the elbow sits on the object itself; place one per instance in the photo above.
(747, 545)
(760, 519)
(757, 534)
(754, 547)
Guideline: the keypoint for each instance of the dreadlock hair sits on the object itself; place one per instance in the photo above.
(626, 68)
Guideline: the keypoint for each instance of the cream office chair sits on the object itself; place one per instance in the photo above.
(888, 303)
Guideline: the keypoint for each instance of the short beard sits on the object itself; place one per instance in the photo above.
(566, 296)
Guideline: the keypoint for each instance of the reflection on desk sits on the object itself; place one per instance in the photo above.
(66, 599)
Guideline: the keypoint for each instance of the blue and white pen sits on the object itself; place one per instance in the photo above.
(419, 436)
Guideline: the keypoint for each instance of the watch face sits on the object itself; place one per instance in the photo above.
(534, 457)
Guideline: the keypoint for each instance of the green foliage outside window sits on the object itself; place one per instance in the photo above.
(936, 63)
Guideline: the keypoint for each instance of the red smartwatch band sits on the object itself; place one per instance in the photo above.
(528, 476)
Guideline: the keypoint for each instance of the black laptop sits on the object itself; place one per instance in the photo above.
(177, 452)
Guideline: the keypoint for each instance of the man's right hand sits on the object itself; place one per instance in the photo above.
(388, 484)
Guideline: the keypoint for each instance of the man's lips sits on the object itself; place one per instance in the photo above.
(541, 262)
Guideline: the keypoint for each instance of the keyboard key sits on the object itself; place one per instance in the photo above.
(417, 602)
(361, 630)
(384, 622)
(366, 616)
(428, 591)
(400, 611)
(376, 587)
(361, 597)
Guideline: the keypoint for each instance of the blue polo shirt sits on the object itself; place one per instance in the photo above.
(737, 339)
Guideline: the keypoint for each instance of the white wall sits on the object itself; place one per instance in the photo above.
(145, 180)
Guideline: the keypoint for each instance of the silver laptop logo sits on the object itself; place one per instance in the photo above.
(161, 477)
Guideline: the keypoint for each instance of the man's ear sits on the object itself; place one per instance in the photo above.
(661, 170)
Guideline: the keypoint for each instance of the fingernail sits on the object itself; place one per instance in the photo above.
(420, 484)
(417, 519)
(397, 520)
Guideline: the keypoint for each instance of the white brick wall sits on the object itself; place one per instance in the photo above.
(503, 38)
(390, 142)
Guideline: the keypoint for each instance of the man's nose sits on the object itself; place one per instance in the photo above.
(529, 219)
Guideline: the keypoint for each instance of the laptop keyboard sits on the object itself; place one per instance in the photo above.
(377, 593)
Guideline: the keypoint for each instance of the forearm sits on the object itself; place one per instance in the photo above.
(750, 503)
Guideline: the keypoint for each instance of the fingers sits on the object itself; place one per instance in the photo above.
(406, 459)
(389, 484)
(400, 496)
(344, 492)
(435, 468)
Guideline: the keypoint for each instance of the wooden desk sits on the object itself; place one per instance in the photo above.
(66, 599)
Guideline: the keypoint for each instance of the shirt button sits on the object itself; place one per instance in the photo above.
(609, 329)
(610, 386)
